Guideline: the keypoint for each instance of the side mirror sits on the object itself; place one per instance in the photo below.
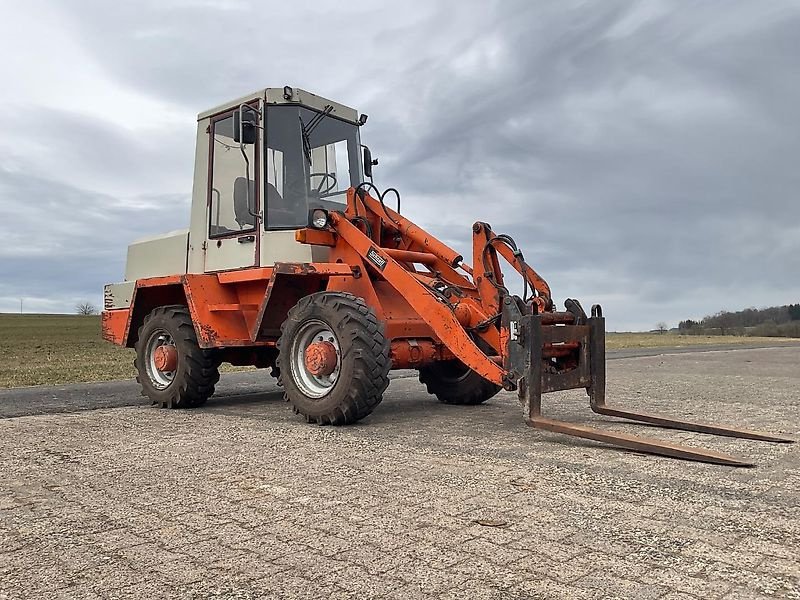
(245, 129)
(368, 162)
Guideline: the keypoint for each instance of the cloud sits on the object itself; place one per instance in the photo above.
(642, 154)
(60, 242)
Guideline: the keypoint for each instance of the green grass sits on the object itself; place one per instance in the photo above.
(58, 349)
(616, 341)
(51, 349)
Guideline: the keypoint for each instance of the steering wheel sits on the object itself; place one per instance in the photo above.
(325, 177)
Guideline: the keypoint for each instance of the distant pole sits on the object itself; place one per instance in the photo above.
(20, 306)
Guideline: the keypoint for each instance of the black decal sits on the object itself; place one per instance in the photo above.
(376, 259)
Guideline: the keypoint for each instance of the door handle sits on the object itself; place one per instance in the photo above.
(246, 239)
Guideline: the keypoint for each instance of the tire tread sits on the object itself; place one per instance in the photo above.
(201, 372)
(366, 343)
(470, 391)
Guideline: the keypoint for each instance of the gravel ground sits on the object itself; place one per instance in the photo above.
(41, 399)
(241, 499)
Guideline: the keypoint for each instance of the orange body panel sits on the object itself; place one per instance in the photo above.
(114, 325)
(222, 328)
(315, 237)
(159, 281)
(229, 308)
(245, 275)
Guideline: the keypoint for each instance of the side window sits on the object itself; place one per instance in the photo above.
(231, 204)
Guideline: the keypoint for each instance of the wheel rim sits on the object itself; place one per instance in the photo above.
(310, 333)
(160, 338)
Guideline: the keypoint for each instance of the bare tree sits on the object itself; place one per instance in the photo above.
(662, 327)
(85, 308)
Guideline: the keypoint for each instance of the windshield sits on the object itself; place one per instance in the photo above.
(312, 158)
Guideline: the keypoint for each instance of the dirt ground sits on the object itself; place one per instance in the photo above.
(241, 499)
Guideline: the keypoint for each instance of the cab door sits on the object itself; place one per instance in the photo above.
(234, 198)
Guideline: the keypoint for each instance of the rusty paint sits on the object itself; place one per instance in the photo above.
(113, 324)
(415, 353)
(159, 281)
(321, 358)
(291, 282)
(557, 318)
(241, 275)
(165, 358)
(423, 258)
(409, 230)
(335, 269)
(463, 313)
(232, 306)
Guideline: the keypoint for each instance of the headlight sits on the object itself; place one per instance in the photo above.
(319, 218)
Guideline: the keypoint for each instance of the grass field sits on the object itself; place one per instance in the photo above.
(57, 349)
(38, 349)
(616, 341)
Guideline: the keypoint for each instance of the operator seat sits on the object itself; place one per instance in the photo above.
(242, 212)
(281, 212)
(274, 199)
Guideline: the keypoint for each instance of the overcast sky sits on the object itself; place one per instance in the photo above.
(645, 155)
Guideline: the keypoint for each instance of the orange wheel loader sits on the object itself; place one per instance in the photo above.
(292, 260)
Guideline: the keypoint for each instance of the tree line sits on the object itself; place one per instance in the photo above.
(774, 321)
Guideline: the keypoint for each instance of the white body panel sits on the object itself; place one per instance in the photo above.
(229, 253)
(118, 295)
(158, 256)
(280, 246)
(198, 222)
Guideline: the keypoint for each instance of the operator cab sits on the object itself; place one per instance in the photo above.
(263, 163)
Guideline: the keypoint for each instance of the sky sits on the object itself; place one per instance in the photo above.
(644, 155)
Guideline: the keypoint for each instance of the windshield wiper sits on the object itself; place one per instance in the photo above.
(306, 141)
(307, 130)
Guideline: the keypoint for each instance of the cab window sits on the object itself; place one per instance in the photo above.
(232, 205)
(312, 158)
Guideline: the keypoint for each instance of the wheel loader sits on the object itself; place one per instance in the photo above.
(294, 260)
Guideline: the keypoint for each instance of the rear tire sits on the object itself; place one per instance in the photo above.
(362, 364)
(196, 372)
(452, 382)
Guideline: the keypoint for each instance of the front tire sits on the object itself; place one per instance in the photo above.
(333, 358)
(172, 369)
(452, 382)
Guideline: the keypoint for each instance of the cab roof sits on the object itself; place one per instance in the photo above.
(286, 95)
